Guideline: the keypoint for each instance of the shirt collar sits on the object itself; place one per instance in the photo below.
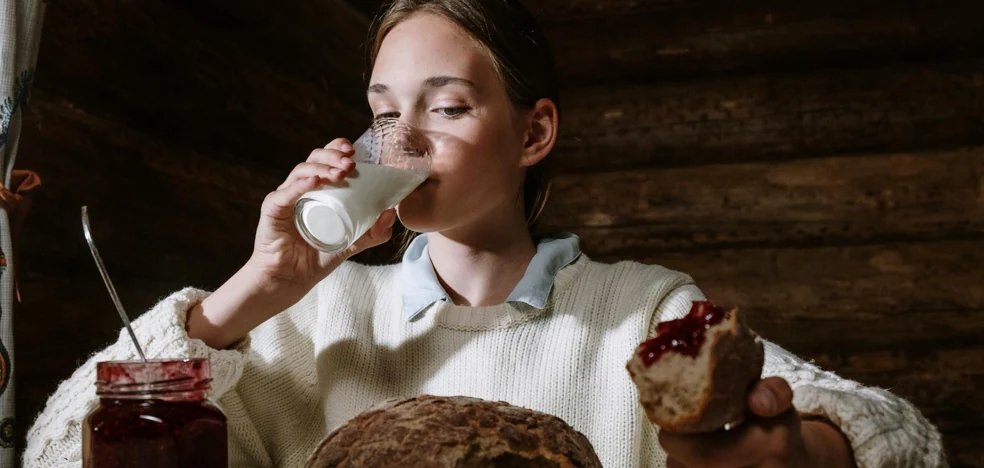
(421, 287)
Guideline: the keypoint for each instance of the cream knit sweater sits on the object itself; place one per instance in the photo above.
(345, 346)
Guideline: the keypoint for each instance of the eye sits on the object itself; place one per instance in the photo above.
(452, 112)
(387, 115)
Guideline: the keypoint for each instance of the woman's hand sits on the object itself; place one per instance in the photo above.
(775, 437)
(279, 253)
(283, 267)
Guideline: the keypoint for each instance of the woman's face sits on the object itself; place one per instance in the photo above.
(434, 76)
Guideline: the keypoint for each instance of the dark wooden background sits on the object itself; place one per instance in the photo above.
(819, 162)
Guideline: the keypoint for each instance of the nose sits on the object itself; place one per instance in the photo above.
(412, 120)
(422, 136)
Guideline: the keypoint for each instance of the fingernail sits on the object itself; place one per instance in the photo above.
(766, 401)
(346, 147)
(334, 171)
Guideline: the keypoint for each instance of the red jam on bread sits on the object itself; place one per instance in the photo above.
(694, 375)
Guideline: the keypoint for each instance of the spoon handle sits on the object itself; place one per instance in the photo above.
(108, 282)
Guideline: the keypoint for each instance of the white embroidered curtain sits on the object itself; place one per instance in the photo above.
(20, 31)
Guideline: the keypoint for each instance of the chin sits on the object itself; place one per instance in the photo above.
(416, 218)
(416, 211)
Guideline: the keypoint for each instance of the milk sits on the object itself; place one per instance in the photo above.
(335, 216)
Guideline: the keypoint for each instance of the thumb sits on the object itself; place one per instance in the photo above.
(379, 233)
(282, 201)
(770, 397)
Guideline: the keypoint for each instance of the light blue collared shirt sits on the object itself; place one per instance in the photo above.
(421, 287)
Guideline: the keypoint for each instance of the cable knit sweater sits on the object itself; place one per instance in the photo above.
(345, 346)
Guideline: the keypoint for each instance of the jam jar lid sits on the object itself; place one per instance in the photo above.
(153, 378)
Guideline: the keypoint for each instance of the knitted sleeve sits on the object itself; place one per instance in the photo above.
(884, 430)
(55, 439)
(675, 305)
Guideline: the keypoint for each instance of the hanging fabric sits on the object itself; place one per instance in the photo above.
(20, 31)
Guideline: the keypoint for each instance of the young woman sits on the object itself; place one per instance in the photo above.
(300, 341)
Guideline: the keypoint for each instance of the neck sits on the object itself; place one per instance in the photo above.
(480, 267)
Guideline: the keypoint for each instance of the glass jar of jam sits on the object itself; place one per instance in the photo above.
(154, 414)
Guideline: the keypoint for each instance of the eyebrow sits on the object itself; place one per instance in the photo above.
(432, 82)
(377, 89)
(439, 81)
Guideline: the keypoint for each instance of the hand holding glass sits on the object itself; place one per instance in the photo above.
(391, 160)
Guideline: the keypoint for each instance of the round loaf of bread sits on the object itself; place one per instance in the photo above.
(694, 376)
(445, 432)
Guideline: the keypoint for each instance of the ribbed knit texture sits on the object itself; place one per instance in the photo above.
(346, 346)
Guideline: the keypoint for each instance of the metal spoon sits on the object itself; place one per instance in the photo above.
(109, 284)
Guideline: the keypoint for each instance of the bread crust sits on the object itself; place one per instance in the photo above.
(443, 432)
(728, 363)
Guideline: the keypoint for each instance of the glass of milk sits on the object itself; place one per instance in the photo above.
(391, 159)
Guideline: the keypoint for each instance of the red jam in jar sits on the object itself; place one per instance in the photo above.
(153, 415)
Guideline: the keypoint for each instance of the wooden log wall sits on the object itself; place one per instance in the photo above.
(819, 163)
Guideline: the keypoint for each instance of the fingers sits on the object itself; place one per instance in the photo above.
(331, 157)
(751, 444)
(331, 163)
(386, 221)
(328, 174)
(379, 233)
(340, 144)
(770, 397)
(726, 449)
(280, 204)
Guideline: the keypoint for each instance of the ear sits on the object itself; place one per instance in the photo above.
(541, 132)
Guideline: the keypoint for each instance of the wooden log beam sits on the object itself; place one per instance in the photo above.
(157, 212)
(170, 104)
(963, 448)
(208, 80)
(560, 10)
(645, 41)
(607, 44)
(846, 298)
(554, 10)
(835, 200)
(319, 41)
(771, 117)
(897, 330)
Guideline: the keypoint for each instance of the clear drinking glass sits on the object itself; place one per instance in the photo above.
(391, 160)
